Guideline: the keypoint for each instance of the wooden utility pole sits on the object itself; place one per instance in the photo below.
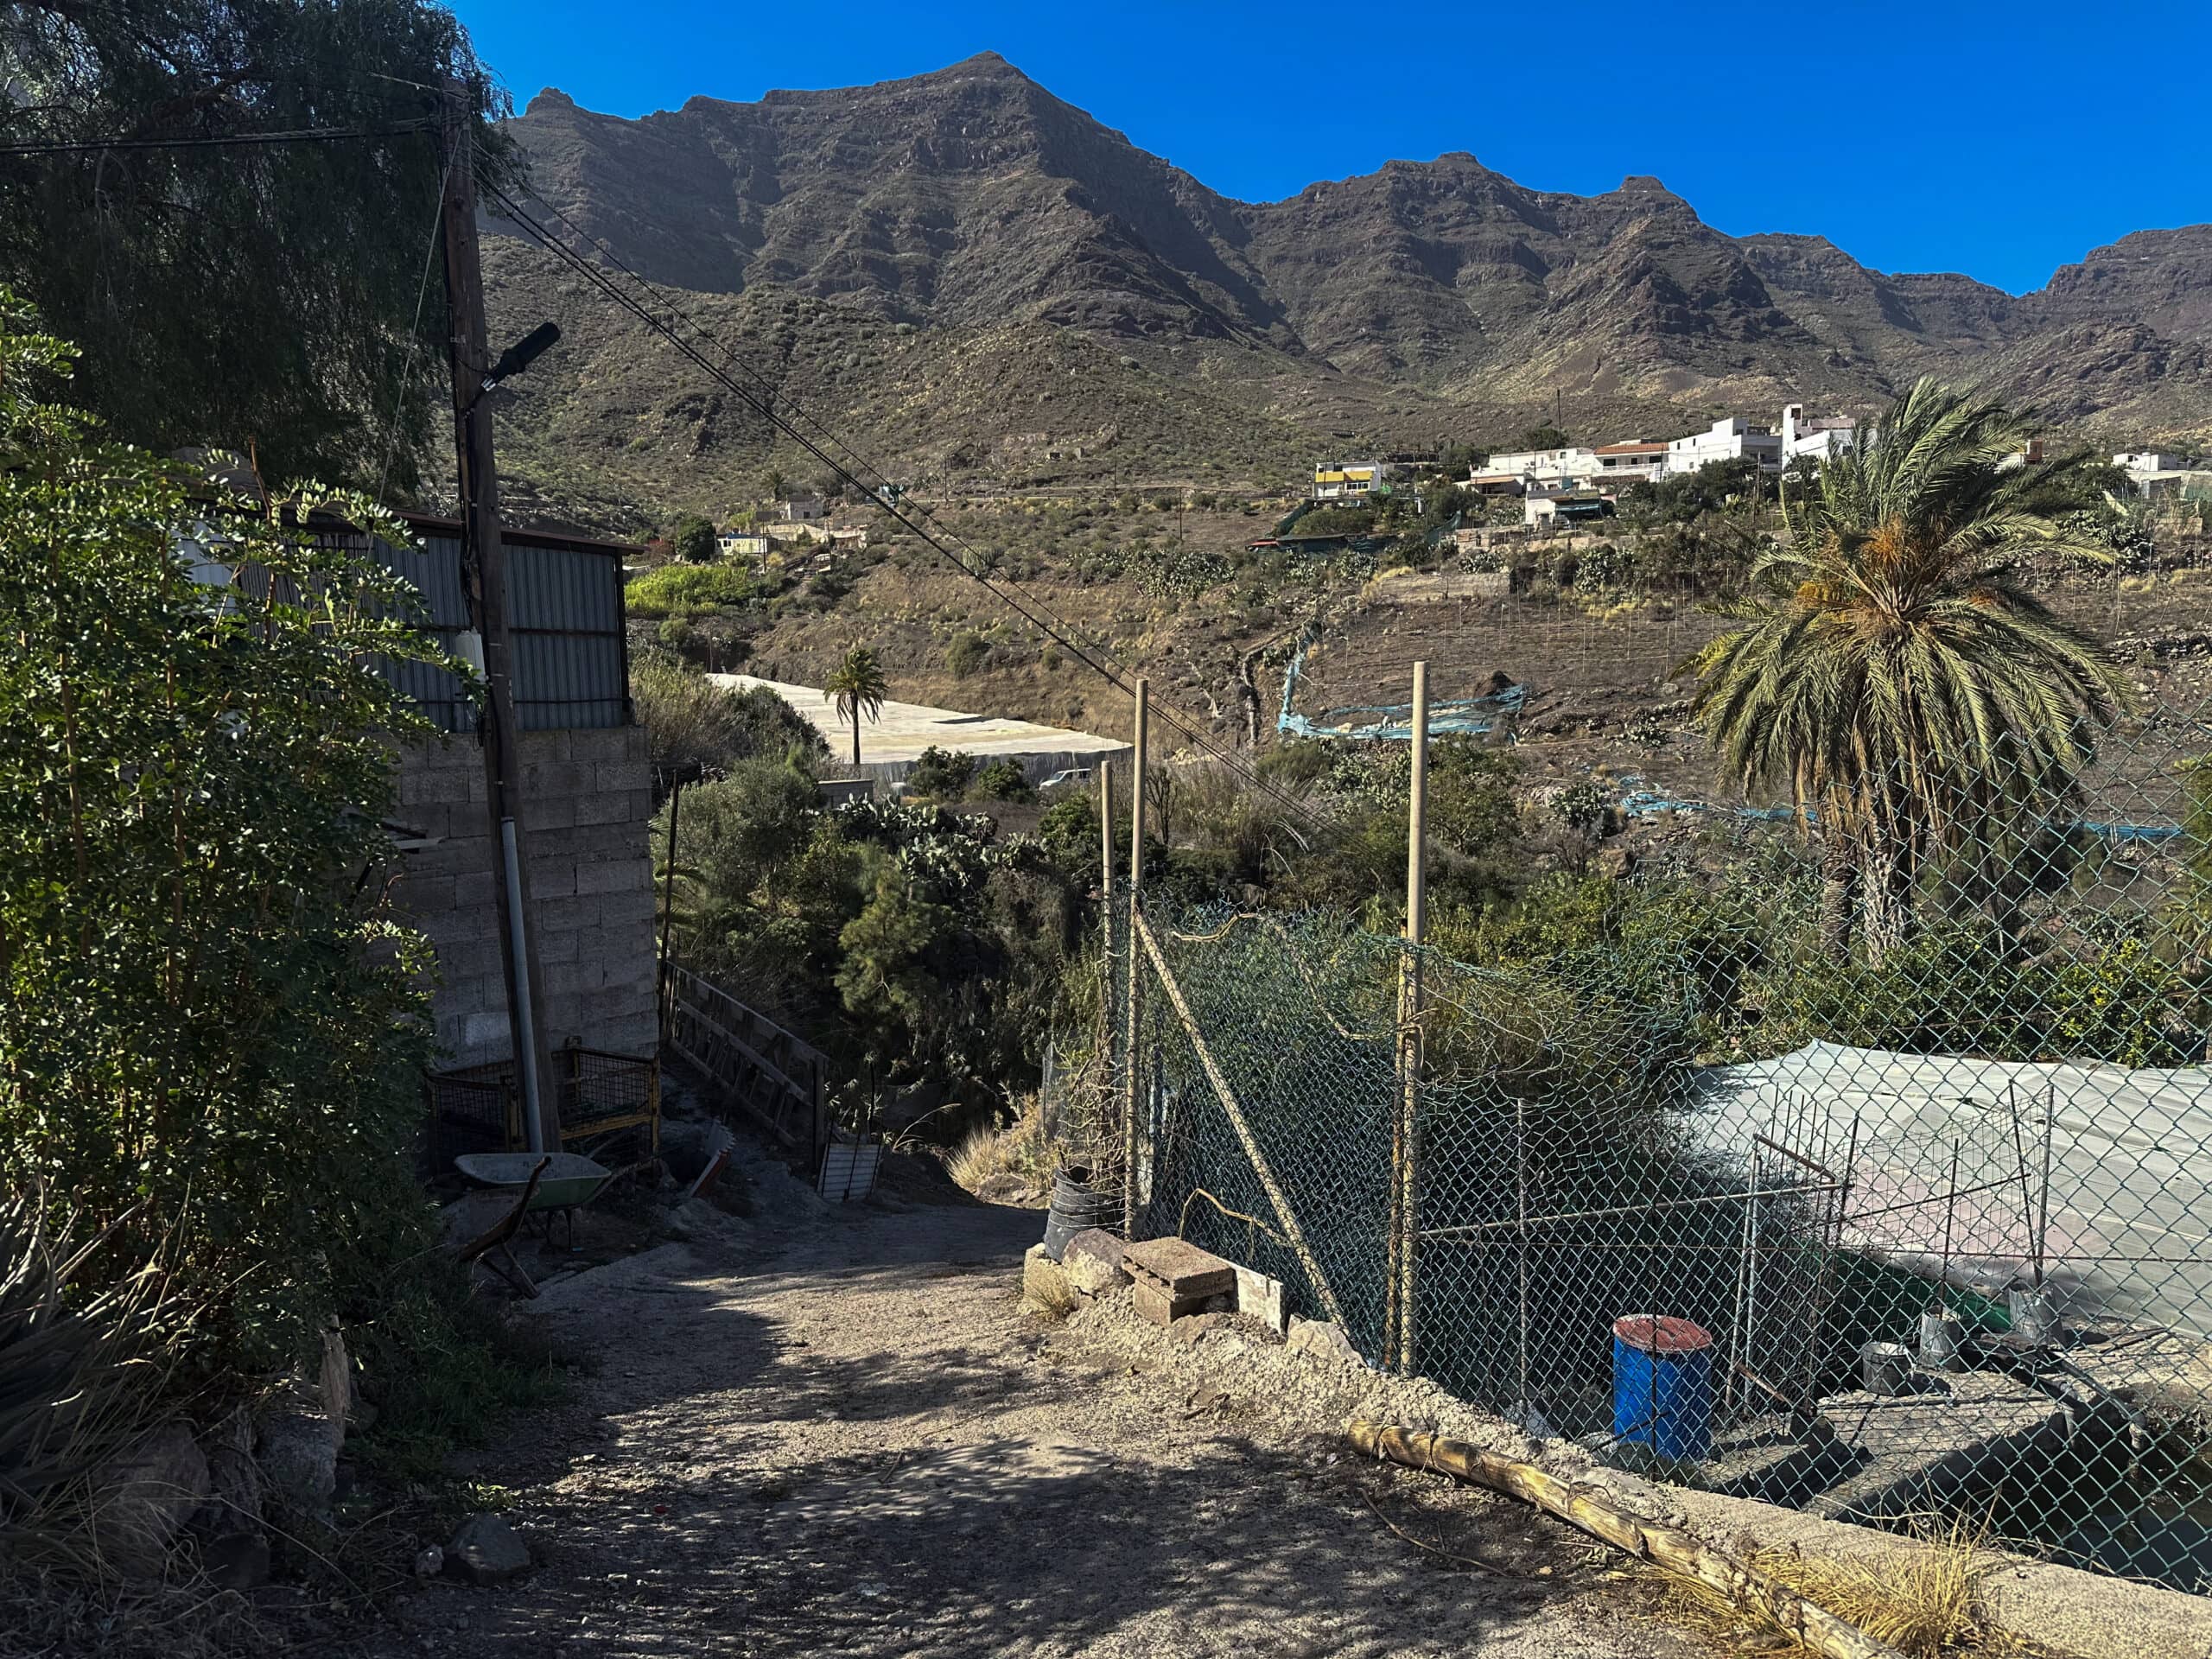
(668, 904)
(1406, 1141)
(484, 577)
(1133, 1072)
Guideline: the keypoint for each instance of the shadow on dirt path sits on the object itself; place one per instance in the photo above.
(862, 1444)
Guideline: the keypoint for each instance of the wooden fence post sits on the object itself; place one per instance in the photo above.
(1132, 1070)
(1406, 1141)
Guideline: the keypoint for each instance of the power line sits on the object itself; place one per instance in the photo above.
(414, 352)
(766, 402)
(215, 141)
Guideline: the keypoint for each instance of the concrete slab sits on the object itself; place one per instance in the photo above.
(1916, 1451)
(896, 739)
(2058, 1609)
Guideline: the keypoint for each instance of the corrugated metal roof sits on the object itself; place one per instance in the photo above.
(564, 608)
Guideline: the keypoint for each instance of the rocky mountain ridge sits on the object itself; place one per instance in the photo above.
(971, 198)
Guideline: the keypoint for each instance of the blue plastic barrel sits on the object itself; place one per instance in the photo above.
(1662, 1385)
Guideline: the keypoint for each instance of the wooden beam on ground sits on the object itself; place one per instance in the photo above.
(1819, 1630)
(1236, 1121)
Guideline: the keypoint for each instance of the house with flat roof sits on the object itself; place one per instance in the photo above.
(1349, 480)
(1730, 438)
(1634, 460)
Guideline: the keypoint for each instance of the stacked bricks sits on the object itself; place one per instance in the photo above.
(1175, 1279)
(586, 806)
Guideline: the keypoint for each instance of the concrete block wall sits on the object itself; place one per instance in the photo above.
(586, 804)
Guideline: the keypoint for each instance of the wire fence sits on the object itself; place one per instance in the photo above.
(1881, 1192)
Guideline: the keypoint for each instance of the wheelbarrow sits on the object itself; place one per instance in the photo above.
(565, 1181)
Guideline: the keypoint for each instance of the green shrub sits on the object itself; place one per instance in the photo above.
(210, 1022)
(690, 590)
(965, 654)
(694, 728)
(940, 774)
(1001, 781)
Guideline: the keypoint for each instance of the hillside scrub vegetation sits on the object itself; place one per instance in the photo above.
(212, 1022)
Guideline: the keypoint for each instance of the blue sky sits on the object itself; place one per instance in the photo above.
(2000, 140)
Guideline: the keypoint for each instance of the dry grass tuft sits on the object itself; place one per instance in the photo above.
(1923, 1601)
(1052, 1298)
(1020, 1149)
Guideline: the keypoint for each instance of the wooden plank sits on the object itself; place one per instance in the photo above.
(1284, 1216)
(1819, 1630)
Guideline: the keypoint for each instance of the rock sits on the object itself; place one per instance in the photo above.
(1045, 1283)
(146, 1497)
(485, 1550)
(237, 1561)
(430, 1563)
(1614, 863)
(1005, 1189)
(298, 1455)
(695, 1219)
(1262, 1298)
(1092, 1262)
(1323, 1340)
(1193, 1328)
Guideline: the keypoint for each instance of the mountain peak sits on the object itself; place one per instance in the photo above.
(969, 196)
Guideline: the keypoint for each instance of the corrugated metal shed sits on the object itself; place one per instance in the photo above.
(564, 599)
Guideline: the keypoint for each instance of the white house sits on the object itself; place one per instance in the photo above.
(742, 543)
(1633, 461)
(1546, 470)
(1726, 440)
(2139, 463)
(800, 508)
(1823, 436)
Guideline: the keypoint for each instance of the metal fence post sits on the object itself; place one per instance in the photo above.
(1131, 1072)
(1406, 1141)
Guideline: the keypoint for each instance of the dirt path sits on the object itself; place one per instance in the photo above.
(864, 1444)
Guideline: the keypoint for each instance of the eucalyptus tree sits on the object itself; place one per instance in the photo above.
(280, 295)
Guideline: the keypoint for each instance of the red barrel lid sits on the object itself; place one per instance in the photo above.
(1662, 1333)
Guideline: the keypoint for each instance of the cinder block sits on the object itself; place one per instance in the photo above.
(1262, 1298)
(613, 876)
(544, 813)
(539, 748)
(485, 1031)
(610, 776)
(476, 955)
(423, 820)
(449, 857)
(614, 806)
(557, 947)
(421, 783)
(552, 878)
(566, 914)
(553, 841)
(473, 890)
(625, 909)
(425, 895)
(556, 778)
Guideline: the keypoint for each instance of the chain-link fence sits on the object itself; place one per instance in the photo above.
(1875, 1185)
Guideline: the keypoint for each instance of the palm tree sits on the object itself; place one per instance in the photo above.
(857, 688)
(1895, 675)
